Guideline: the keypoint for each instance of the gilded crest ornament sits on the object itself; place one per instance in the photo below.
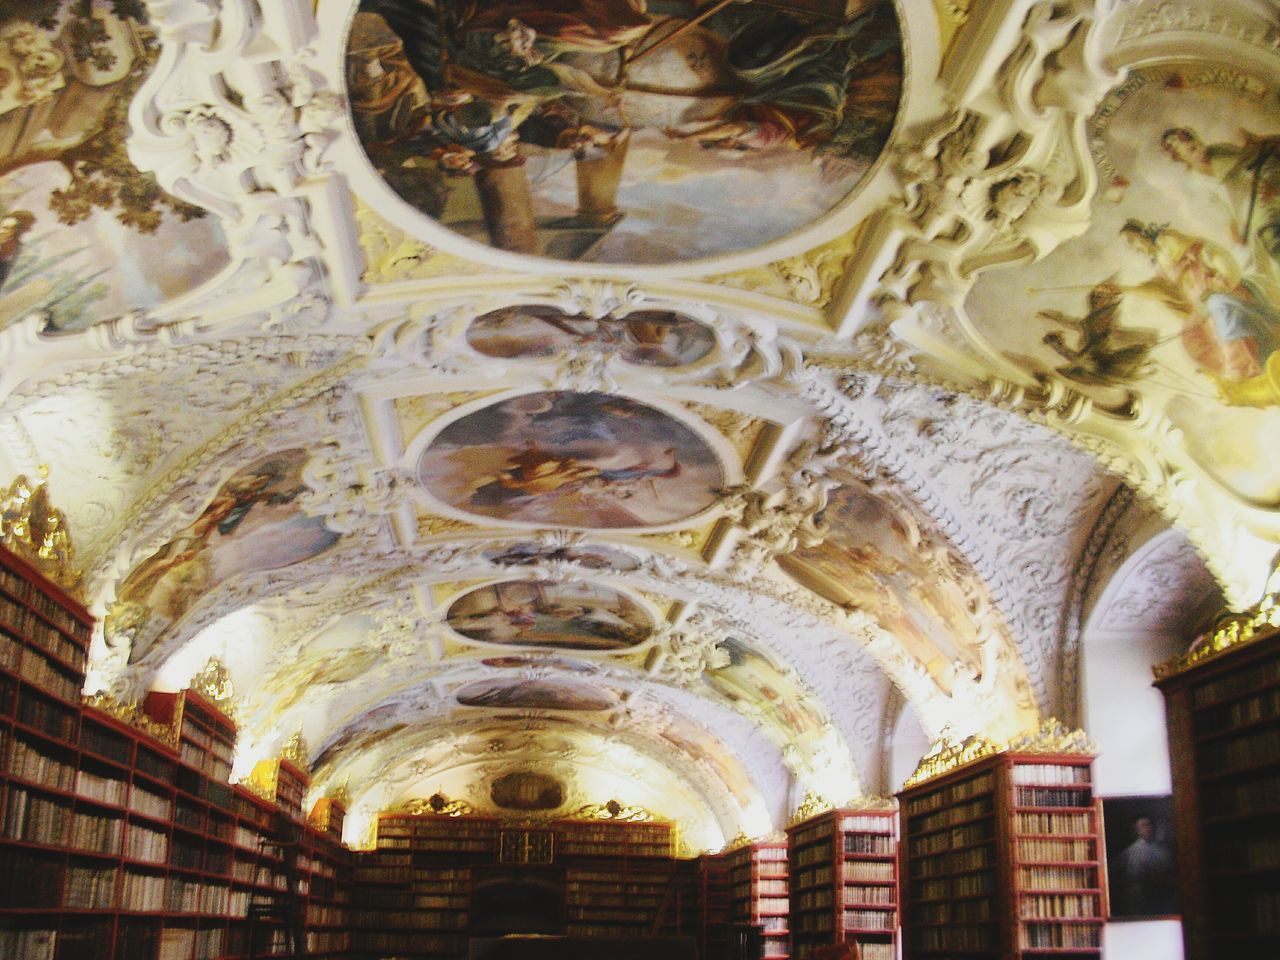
(296, 752)
(213, 682)
(1231, 630)
(31, 527)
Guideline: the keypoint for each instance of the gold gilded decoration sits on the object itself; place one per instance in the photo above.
(740, 429)
(131, 713)
(946, 755)
(1232, 630)
(810, 807)
(418, 411)
(1053, 737)
(810, 279)
(952, 15)
(613, 810)
(738, 842)
(435, 525)
(436, 805)
(1050, 737)
(341, 793)
(691, 540)
(213, 683)
(390, 254)
(32, 528)
(296, 752)
(264, 779)
(869, 801)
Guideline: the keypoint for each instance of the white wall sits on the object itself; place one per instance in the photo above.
(1143, 616)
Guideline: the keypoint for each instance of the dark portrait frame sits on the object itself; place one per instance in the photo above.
(1119, 817)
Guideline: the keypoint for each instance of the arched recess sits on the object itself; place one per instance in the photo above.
(1150, 595)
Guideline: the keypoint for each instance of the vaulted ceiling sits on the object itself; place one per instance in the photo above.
(672, 399)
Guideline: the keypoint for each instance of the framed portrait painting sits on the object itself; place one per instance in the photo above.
(1141, 869)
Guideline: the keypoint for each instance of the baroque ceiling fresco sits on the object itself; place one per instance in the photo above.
(663, 401)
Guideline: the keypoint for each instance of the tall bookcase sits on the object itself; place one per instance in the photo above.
(843, 884)
(1002, 858)
(414, 892)
(1224, 736)
(120, 838)
(758, 892)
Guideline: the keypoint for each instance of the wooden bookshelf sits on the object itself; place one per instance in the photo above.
(758, 893)
(1224, 738)
(843, 882)
(120, 838)
(1002, 858)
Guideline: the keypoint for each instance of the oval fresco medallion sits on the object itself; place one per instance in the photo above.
(586, 460)
(652, 338)
(617, 131)
(526, 790)
(555, 614)
(534, 695)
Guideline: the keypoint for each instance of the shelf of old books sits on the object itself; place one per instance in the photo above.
(843, 881)
(1223, 706)
(120, 838)
(1001, 857)
(758, 892)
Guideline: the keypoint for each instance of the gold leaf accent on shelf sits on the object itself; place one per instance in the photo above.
(213, 682)
(947, 755)
(32, 528)
(263, 780)
(130, 712)
(613, 810)
(296, 752)
(341, 793)
(436, 805)
(1231, 630)
(738, 842)
(1052, 736)
(810, 806)
(869, 801)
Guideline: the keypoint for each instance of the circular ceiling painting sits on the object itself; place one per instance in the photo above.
(650, 338)
(534, 695)
(546, 613)
(620, 131)
(570, 459)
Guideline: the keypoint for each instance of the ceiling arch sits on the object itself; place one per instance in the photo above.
(415, 422)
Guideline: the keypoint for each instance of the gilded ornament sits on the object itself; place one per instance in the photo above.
(1231, 630)
(740, 429)
(613, 810)
(810, 807)
(435, 525)
(33, 529)
(131, 714)
(947, 755)
(263, 780)
(390, 254)
(213, 683)
(437, 805)
(1053, 737)
(296, 752)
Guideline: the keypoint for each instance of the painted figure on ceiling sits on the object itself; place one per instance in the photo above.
(1249, 173)
(1202, 282)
